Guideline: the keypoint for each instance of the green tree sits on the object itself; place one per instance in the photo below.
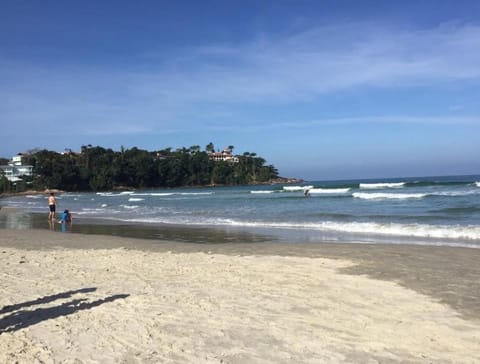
(210, 148)
(97, 168)
(5, 185)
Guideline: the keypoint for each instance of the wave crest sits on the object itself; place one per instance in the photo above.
(296, 188)
(135, 199)
(329, 190)
(372, 228)
(385, 196)
(382, 185)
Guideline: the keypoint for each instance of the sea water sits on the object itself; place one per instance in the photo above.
(428, 210)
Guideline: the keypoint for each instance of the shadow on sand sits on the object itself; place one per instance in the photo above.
(20, 318)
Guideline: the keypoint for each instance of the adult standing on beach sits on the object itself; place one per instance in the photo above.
(52, 203)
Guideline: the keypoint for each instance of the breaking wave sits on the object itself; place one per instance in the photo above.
(130, 207)
(372, 228)
(402, 196)
(173, 193)
(111, 194)
(328, 190)
(381, 185)
(296, 188)
(384, 196)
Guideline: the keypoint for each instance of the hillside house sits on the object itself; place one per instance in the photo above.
(16, 169)
(226, 155)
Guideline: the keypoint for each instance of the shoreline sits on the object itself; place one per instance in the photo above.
(17, 218)
(272, 182)
(450, 275)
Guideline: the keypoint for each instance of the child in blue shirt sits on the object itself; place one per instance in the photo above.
(66, 217)
(65, 220)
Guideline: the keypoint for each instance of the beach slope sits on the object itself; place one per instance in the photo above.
(112, 303)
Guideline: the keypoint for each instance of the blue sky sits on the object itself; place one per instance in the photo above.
(321, 89)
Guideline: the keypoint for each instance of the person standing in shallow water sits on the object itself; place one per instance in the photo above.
(52, 203)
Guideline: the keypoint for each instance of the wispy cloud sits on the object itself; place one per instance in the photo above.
(312, 124)
(213, 78)
(385, 119)
(326, 59)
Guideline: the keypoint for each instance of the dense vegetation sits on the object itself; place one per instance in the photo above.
(97, 168)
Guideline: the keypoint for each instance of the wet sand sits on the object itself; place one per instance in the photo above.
(232, 298)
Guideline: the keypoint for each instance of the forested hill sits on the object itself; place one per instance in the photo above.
(96, 168)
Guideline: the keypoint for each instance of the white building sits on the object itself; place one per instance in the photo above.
(226, 156)
(15, 169)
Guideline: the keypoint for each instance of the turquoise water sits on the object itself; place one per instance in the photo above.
(433, 210)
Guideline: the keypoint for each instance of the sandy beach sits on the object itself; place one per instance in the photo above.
(73, 298)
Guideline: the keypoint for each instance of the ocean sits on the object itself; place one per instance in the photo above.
(426, 210)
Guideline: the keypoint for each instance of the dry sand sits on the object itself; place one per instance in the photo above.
(71, 298)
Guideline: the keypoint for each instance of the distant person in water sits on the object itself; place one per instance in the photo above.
(306, 193)
(52, 203)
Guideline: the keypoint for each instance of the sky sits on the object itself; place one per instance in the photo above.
(323, 89)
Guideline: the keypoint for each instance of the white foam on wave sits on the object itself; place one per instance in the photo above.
(155, 194)
(262, 192)
(455, 193)
(297, 188)
(196, 193)
(401, 196)
(402, 230)
(382, 185)
(173, 193)
(135, 199)
(477, 184)
(91, 211)
(111, 194)
(329, 190)
(130, 207)
(414, 230)
(385, 196)
(468, 232)
(70, 195)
